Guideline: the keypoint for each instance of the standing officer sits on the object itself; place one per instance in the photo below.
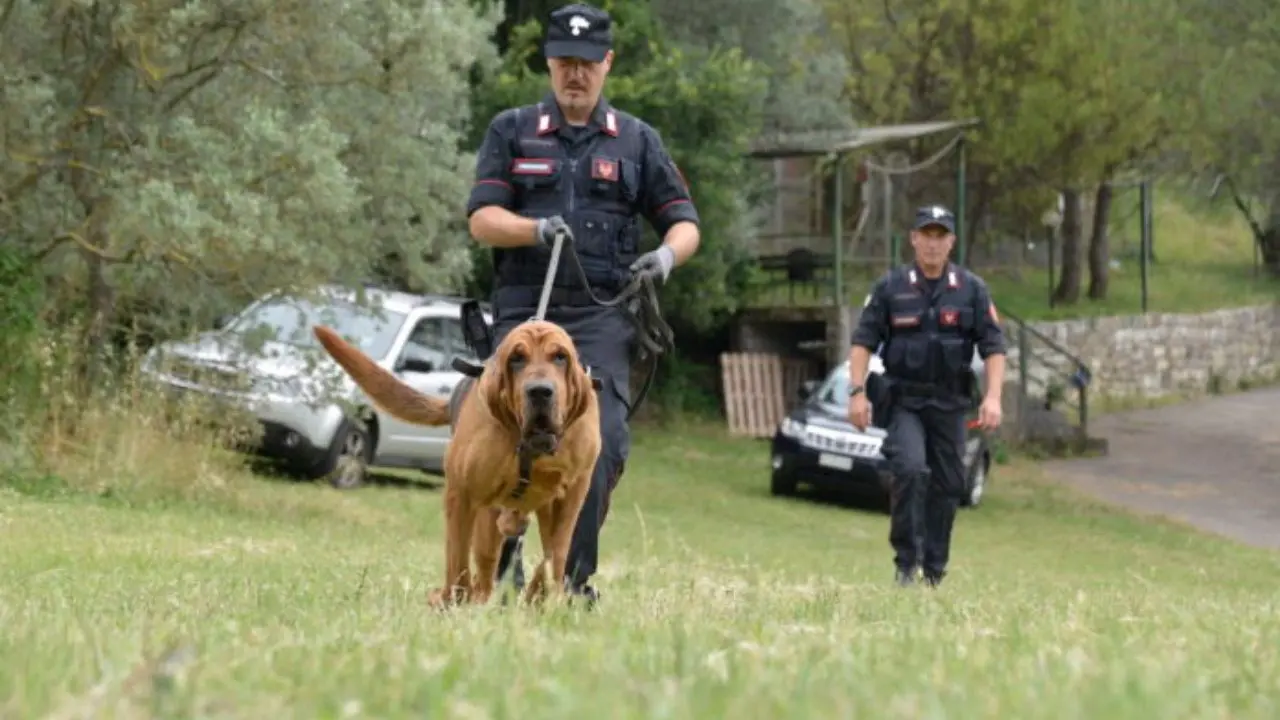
(929, 315)
(574, 161)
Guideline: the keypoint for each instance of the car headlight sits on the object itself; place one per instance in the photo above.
(791, 428)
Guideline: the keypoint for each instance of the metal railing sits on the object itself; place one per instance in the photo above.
(1050, 368)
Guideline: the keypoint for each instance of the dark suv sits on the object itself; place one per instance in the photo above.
(816, 444)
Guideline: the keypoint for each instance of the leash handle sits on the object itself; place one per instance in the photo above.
(556, 247)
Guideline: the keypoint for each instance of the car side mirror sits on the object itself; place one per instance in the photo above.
(408, 363)
(808, 388)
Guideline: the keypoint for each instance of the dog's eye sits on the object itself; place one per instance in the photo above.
(561, 357)
(516, 358)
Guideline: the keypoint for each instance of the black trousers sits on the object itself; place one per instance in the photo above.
(603, 338)
(925, 451)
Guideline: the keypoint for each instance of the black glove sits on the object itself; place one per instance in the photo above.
(548, 228)
(656, 263)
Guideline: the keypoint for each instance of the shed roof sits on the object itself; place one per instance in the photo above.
(824, 143)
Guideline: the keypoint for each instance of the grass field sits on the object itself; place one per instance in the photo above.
(135, 588)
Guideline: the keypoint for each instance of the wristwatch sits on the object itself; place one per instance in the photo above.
(854, 390)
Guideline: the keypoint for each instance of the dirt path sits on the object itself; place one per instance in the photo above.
(1213, 463)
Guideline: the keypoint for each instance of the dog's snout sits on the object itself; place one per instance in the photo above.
(539, 390)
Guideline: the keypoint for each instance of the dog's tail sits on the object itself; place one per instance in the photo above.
(385, 390)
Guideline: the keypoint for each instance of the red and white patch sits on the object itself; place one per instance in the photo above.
(949, 318)
(532, 166)
(604, 169)
(953, 281)
(544, 124)
(611, 123)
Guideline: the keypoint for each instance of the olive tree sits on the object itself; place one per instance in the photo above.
(165, 159)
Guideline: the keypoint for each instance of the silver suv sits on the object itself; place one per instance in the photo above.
(266, 360)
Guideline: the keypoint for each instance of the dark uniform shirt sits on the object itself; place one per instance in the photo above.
(615, 166)
(929, 330)
(600, 178)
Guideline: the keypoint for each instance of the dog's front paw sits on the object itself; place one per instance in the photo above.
(540, 585)
(481, 592)
(442, 598)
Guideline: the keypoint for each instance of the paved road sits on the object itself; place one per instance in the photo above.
(1213, 463)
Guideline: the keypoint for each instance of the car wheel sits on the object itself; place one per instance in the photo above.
(977, 485)
(347, 462)
(782, 485)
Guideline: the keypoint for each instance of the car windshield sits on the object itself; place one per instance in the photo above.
(290, 320)
(835, 389)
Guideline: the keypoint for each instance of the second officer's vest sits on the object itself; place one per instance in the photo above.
(930, 334)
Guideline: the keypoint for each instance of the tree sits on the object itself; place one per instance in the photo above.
(706, 105)
(1067, 93)
(789, 42)
(1238, 95)
(180, 157)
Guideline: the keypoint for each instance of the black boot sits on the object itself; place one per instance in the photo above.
(511, 563)
(905, 577)
(585, 594)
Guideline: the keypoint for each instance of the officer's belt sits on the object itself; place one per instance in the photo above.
(908, 388)
(528, 296)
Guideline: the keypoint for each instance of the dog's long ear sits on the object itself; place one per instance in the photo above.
(494, 388)
(581, 390)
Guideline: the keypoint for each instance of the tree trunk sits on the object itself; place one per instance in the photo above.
(1100, 244)
(101, 296)
(1269, 244)
(1068, 290)
(978, 209)
(1269, 239)
(101, 306)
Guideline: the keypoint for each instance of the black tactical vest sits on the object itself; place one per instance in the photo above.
(594, 184)
(930, 335)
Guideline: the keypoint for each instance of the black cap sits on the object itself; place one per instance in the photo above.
(935, 215)
(579, 31)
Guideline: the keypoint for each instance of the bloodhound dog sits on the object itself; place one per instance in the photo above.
(532, 396)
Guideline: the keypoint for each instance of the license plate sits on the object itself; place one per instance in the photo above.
(839, 462)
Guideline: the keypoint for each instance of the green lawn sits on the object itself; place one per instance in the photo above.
(206, 592)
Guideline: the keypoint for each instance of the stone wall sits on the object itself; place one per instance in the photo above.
(1165, 353)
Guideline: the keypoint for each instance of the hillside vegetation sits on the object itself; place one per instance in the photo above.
(1204, 261)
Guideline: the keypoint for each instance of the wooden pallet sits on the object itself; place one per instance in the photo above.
(759, 389)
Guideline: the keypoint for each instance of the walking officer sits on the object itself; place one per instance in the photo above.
(929, 315)
(572, 160)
